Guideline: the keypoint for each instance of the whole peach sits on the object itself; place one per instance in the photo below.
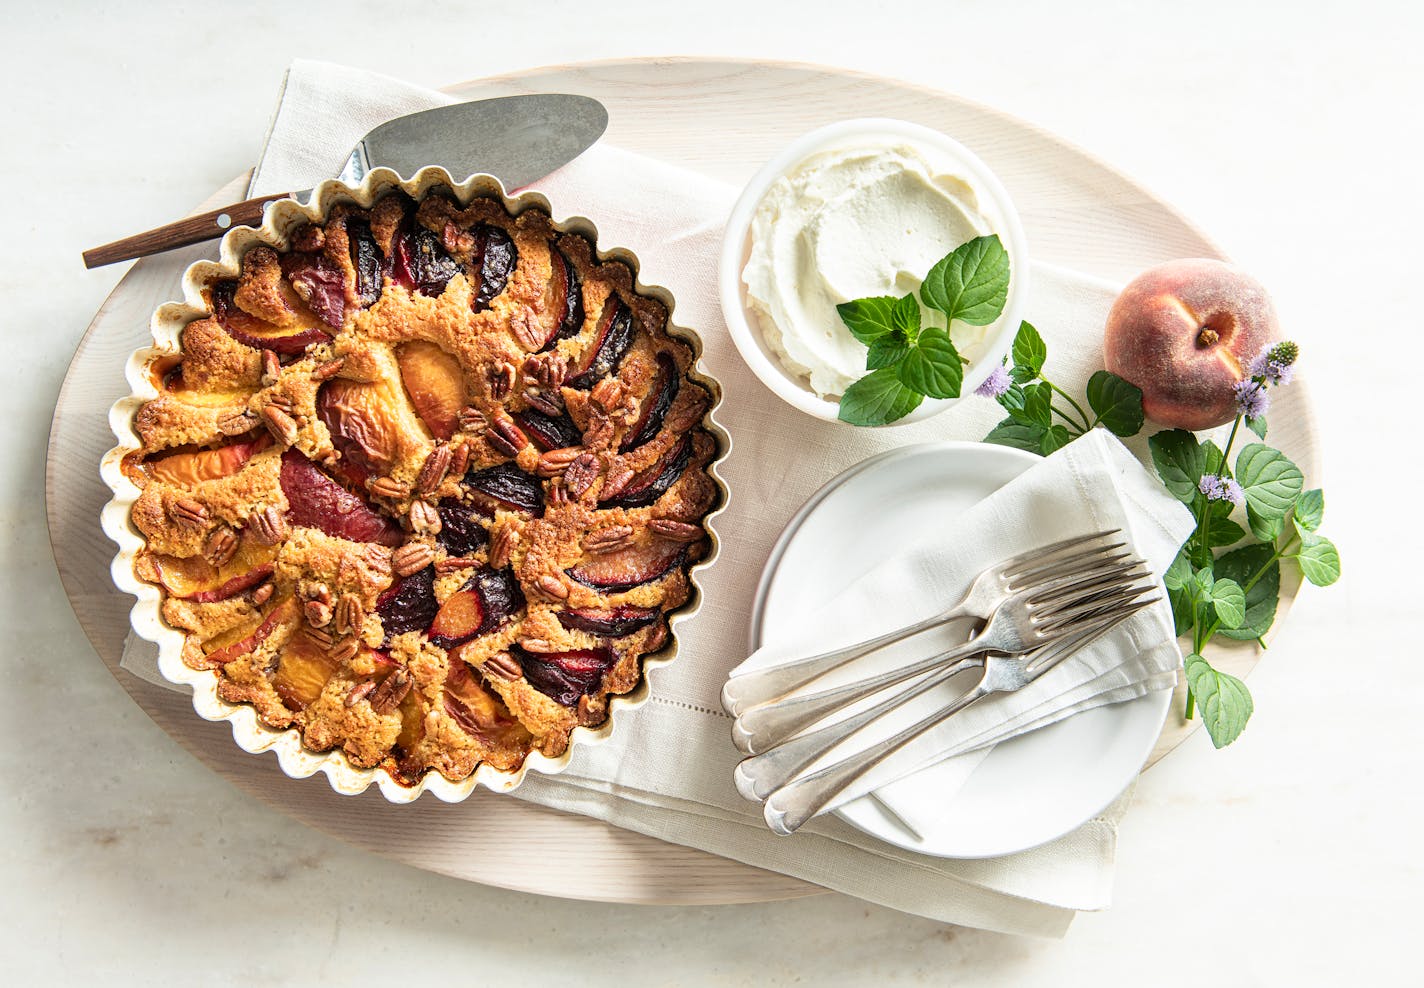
(1184, 332)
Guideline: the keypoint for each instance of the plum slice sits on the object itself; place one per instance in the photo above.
(408, 604)
(511, 487)
(435, 383)
(548, 431)
(314, 500)
(319, 283)
(565, 676)
(641, 563)
(655, 406)
(486, 602)
(611, 340)
(257, 333)
(419, 262)
(187, 467)
(654, 482)
(494, 257)
(366, 259)
(571, 320)
(462, 527)
(480, 712)
(616, 622)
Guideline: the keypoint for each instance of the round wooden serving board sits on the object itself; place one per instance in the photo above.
(721, 118)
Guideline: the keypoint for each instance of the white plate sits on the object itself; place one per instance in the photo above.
(1029, 790)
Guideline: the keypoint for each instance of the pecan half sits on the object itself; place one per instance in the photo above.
(675, 531)
(525, 326)
(282, 426)
(617, 480)
(350, 615)
(318, 613)
(387, 696)
(328, 370)
(359, 692)
(412, 558)
(608, 540)
(555, 461)
(608, 393)
(220, 546)
(263, 593)
(502, 376)
(321, 637)
(549, 369)
(186, 511)
(452, 563)
(581, 474)
(389, 487)
(501, 665)
(345, 650)
(456, 240)
(236, 423)
(557, 494)
(379, 557)
(553, 587)
(506, 437)
(600, 428)
(424, 519)
(686, 414)
(501, 546)
(433, 471)
(268, 526)
(271, 368)
(459, 460)
(472, 419)
(538, 645)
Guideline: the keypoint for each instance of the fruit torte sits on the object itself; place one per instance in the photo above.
(425, 485)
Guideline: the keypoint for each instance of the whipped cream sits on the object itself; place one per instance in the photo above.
(847, 223)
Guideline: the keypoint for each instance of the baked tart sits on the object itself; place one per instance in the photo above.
(424, 483)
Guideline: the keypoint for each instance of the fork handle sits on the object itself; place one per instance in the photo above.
(798, 801)
(193, 230)
(742, 692)
(764, 727)
(758, 776)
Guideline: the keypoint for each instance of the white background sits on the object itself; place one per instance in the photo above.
(1290, 131)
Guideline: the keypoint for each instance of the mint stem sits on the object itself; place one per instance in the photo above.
(1069, 398)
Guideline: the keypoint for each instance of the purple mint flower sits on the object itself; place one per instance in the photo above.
(1273, 364)
(1221, 489)
(996, 384)
(1251, 398)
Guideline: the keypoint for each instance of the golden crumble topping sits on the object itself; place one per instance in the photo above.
(425, 486)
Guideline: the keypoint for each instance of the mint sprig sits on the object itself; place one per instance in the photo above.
(908, 362)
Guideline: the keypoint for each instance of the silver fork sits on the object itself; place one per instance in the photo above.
(758, 776)
(791, 805)
(1022, 622)
(989, 590)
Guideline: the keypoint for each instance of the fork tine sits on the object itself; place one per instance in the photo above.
(1033, 557)
(1070, 565)
(1094, 606)
(1050, 655)
(1076, 584)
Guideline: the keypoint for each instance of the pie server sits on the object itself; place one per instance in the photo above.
(517, 139)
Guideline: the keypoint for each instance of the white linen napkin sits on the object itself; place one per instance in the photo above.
(1090, 485)
(667, 769)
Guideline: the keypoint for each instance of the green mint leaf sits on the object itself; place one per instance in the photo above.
(1271, 483)
(932, 366)
(1055, 437)
(1116, 402)
(1223, 700)
(1179, 573)
(1221, 530)
(971, 283)
(1212, 456)
(1038, 404)
(886, 351)
(1029, 351)
(1318, 558)
(1020, 376)
(869, 318)
(905, 318)
(1202, 582)
(1012, 400)
(878, 398)
(1180, 462)
(1257, 425)
(1183, 614)
(1019, 435)
(1310, 509)
(1228, 601)
(1240, 566)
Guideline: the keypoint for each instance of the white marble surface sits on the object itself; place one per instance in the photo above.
(1291, 132)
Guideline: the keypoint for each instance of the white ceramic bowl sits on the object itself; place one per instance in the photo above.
(994, 204)
(281, 220)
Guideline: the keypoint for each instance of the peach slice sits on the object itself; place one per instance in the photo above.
(358, 415)
(194, 578)
(479, 712)
(187, 468)
(303, 668)
(222, 650)
(436, 386)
